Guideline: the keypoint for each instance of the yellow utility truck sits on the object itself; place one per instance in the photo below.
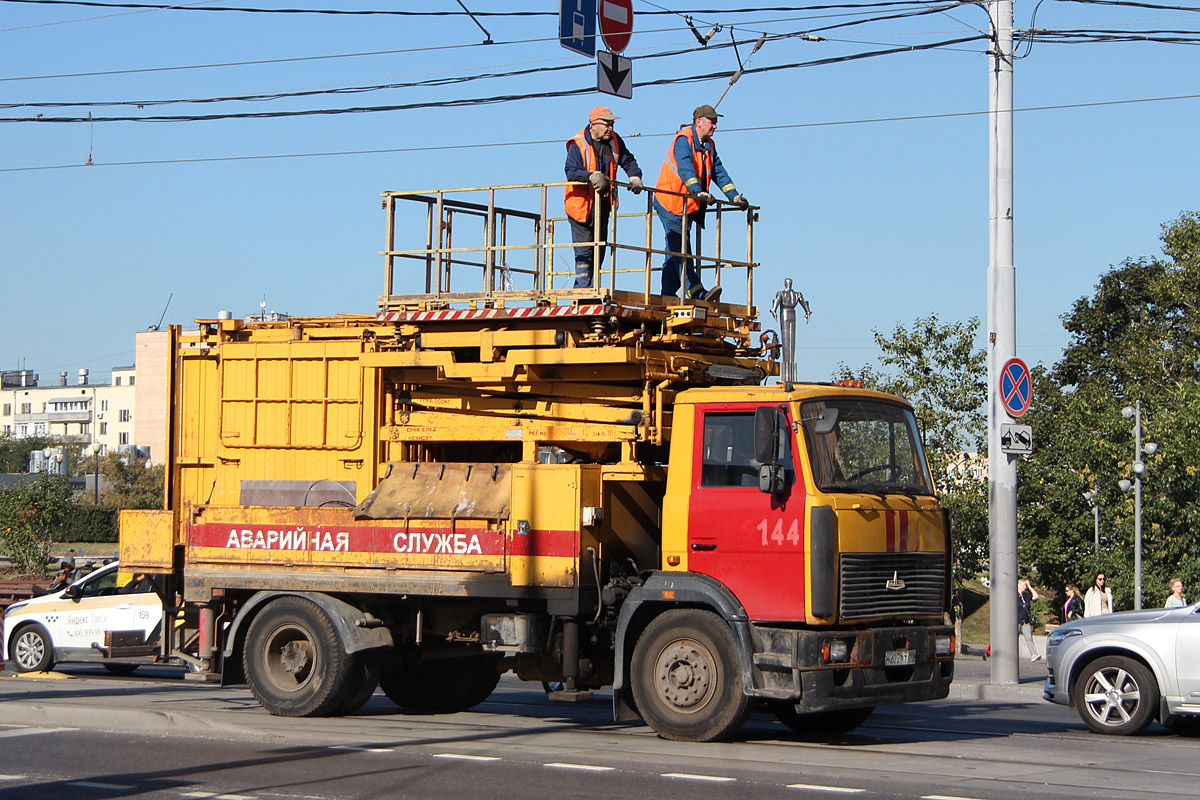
(587, 487)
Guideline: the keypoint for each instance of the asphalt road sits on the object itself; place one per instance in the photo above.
(157, 736)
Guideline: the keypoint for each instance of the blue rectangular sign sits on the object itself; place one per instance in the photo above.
(577, 26)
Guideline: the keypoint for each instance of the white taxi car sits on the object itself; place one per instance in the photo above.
(106, 617)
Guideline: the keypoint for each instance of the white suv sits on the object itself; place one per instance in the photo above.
(105, 617)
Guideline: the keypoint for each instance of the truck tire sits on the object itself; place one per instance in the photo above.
(1116, 694)
(31, 650)
(295, 664)
(363, 681)
(821, 723)
(685, 677)
(441, 686)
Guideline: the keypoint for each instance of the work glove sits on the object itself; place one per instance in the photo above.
(599, 180)
(704, 197)
(741, 202)
(635, 185)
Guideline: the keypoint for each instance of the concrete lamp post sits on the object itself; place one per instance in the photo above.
(93, 450)
(1093, 500)
(1134, 412)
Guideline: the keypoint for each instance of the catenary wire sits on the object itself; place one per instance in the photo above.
(748, 129)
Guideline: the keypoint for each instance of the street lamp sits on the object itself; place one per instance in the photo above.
(1093, 500)
(1134, 412)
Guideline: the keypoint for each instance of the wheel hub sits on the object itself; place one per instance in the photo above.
(685, 674)
(294, 657)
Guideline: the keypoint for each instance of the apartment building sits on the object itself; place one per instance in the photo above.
(78, 409)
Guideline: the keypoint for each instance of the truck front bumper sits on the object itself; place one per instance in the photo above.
(882, 666)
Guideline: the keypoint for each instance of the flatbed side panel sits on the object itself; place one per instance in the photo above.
(146, 540)
(332, 539)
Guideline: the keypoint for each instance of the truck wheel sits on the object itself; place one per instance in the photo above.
(363, 681)
(684, 677)
(1115, 694)
(294, 662)
(31, 650)
(821, 722)
(441, 685)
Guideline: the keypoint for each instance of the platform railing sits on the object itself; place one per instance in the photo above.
(512, 255)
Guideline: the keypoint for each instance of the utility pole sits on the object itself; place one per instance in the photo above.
(1002, 339)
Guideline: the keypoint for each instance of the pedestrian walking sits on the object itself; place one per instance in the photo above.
(1026, 597)
(1098, 599)
(1176, 600)
(1073, 607)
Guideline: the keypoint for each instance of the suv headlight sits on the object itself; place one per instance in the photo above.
(1056, 636)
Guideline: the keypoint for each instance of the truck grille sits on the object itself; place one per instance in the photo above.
(865, 578)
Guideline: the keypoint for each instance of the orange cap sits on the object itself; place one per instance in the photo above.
(602, 113)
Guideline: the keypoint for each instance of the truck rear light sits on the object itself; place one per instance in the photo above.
(943, 644)
(673, 561)
(835, 651)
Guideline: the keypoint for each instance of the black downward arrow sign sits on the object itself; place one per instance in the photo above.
(615, 75)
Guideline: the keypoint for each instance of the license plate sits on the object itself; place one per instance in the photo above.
(899, 658)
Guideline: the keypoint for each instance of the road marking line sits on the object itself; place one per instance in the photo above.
(361, 749)
(591, 767)
(946, 797)
(12, 777)
(689, 776)
(815, 788)
(465, 757)
(96, 785)
(217, 796)
(33, 731)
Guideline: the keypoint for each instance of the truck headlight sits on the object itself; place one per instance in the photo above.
(943, 644)
(835, 651)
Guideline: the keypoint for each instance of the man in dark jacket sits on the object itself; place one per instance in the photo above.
(593, 156)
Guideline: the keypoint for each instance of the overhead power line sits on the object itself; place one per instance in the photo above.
(726, 132)
(451, 13)
(459, 102)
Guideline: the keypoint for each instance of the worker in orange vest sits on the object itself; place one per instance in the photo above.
(593, 155)
(690, 166)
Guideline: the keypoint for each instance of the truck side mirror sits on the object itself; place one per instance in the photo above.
(770, 479)
(766, 435)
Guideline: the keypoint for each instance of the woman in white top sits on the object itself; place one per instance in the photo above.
(1176, 600)
(1098, 599)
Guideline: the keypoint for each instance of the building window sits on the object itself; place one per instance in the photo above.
(103, 428)
(104, 405)
(84, 428)
(8, 409)
(123, 438)
(131, 379)
(26, 408)
(124, 415)
(117, 382)
(8, 430)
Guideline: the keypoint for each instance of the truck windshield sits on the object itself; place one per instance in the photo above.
(860, 445)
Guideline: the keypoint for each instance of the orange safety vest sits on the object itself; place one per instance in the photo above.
(669, 179)
(577, 198)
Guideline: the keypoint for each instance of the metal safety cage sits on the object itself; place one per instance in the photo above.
(507, 241)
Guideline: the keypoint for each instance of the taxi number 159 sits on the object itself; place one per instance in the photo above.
(777, 535)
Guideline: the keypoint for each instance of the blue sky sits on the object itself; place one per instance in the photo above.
(878, 223)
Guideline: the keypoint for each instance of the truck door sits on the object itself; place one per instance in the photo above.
(749, 540)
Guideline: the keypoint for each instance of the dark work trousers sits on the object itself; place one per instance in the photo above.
(582, 232)
(670, 270)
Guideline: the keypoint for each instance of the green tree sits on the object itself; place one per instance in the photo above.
(940, 370)
(14, 452)
(1136, 338)
(29, 513)
(129, 482)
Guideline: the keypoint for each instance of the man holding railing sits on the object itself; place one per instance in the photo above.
(689, 168)
(593, 155)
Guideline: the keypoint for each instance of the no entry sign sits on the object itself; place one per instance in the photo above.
(616, 23)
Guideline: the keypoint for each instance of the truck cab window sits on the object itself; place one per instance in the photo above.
(728, 457)
(872, 446)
